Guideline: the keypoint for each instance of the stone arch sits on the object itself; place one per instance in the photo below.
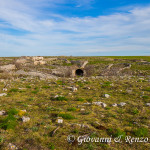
(79, 72)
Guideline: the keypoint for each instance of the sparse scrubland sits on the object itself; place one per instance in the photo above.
(107, 102)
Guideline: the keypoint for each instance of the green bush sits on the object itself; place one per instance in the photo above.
(59, 82)
(80, 99)
(28, 86)
(72, 109)
(10, 121)
(80, 83)
(51, 146)
(35, 129)
(60, 98)
(106, 84)
(90, 100)
(13, 111)
(135, 111)
(66, 116)
(35, 92)
(141, 132)
(13, 90)
(116, 132)
(147, 89)
(145, 97)
(45, 87)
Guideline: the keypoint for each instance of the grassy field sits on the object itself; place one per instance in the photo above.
(47, 100)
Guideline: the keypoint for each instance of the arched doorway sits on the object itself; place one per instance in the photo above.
(79, 72)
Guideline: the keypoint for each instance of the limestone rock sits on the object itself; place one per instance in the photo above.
(5, 89)
(97, 103)
(106, 95)
(8, 67)
(25, 119)
(74, 89)
(100, 104)
(147, 104)
(122, 104)
(2, 112)
(59, 120)
(37, 58)
(104, 105)
(3, 94)
(114, 105)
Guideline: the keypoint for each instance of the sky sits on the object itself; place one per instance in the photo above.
(74, 27)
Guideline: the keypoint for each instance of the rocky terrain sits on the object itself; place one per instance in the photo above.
(45, 99)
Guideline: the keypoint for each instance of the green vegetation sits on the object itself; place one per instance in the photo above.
(66, 116)
(49, 101)
(80, 99)
(72, 109)
(10, 121)
(141, 132)
(60, 98)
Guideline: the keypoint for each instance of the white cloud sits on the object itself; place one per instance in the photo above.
(128, 31)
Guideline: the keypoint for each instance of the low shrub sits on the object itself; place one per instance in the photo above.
(72, 109)
(10, 121)
(80, 99)
(66, 116)
(60, 98)
(141, 132)
(13, 90)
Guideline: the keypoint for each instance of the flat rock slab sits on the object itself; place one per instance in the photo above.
(3, 94)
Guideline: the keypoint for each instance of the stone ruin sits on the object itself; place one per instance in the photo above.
(76, 69)
(79, 68)
(26, 60)
(25, 65)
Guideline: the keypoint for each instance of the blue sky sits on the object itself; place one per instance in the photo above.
(74, 27)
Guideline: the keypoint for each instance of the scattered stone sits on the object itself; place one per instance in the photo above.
(80, 125)
(122, 104)
(59, 120)
(104, 105)
(97, 103)
(106, 95)
(129, 91)
(82, 109)
(87, 103)
(12, 146)
(114, 105)
(3, 94)
(100, 104)
(147, 104)
(25, 119)
(22, 88)
(5, 89)
(74, 89)
(2, 112)
(56, 96)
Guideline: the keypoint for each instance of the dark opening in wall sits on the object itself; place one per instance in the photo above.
(79, 72)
